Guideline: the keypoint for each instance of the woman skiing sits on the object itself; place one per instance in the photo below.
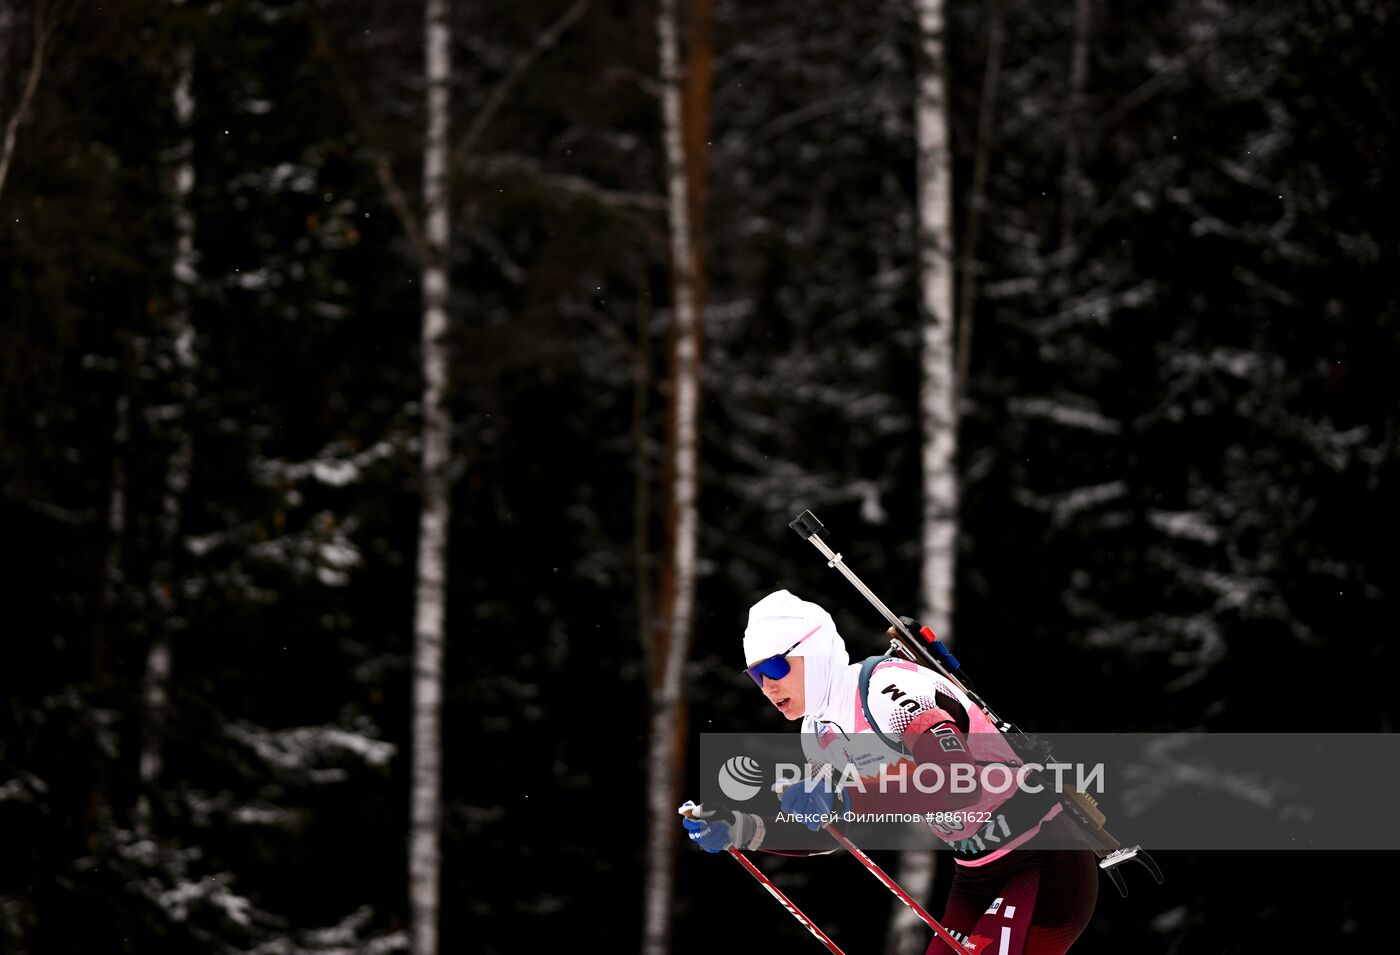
(1010, 894)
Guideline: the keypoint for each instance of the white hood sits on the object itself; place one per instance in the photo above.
(777, 622)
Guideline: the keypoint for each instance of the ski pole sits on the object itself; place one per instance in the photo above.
(774, 891)
(894, 887)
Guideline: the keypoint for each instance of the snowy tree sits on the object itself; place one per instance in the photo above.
(676, 603)
(430, 610)
(938, 398)
(1177, 435)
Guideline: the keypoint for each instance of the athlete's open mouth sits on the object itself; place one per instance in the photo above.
(782, 704)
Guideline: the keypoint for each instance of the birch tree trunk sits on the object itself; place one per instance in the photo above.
(937, 406)
(676, 605)
(431, 239)
(430, 593)
(178, 337)
(938, 398)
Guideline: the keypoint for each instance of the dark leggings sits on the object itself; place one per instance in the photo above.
(1032, 902)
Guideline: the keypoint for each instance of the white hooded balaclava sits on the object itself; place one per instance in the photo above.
(777, 622)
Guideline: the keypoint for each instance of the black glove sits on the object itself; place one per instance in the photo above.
(715, 827)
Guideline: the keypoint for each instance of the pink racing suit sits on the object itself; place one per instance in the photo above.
(1008, 897)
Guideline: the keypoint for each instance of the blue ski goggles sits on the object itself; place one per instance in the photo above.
(777, 666)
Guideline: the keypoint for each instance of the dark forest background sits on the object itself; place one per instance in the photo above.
(1178, 449)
